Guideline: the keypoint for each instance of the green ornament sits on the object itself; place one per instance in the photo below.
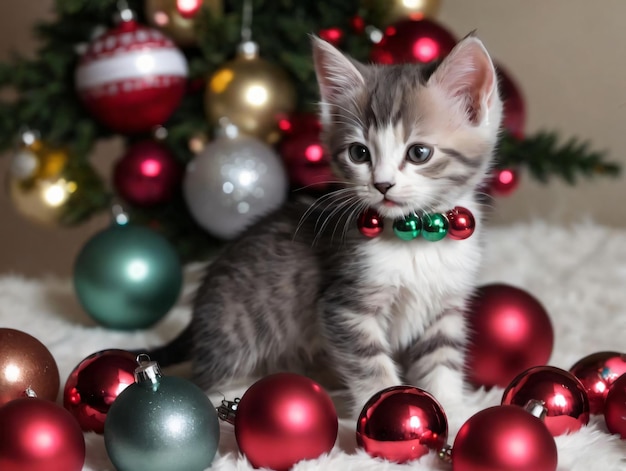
(127, 277)
(435, 227)
(408, 228)
(161, 423)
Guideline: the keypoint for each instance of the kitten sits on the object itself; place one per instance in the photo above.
(304, 281)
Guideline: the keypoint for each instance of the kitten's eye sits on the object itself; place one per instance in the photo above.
(419, 153)
(359, 154)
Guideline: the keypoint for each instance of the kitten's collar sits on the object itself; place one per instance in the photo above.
(458, 224)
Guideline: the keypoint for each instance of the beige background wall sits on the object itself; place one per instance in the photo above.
(567, 55)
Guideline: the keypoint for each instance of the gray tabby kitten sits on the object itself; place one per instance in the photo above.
(303, 282)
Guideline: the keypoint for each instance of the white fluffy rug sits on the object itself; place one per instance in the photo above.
(578, 272)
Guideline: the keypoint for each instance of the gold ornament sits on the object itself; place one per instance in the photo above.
(38, 183)
(166, 16)
(250, 93)
(410, 9)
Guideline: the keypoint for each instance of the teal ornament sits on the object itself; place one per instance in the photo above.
(408, 228)
(127, 277)
(161, 423)
(434, 227)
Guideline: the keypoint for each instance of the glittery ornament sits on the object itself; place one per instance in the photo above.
(597, 372)
(408, 228)
(401, 423)
(434, 227)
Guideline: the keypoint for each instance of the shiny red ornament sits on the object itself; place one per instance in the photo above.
(504, 181)
(509, 332)
(562, 394)
(285, 418)
(514, 113)
(422, 41)
(615, 407)
(332, 35)
(370, 223)
(597, 372)
(38, 435)
(401, 423)
(461, 223)
(188, 8)
(95, 383)
(504, 438)
(131, 78)
(147, 174)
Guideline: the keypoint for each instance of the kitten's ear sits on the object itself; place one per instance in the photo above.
(336, 74)
(468, 74)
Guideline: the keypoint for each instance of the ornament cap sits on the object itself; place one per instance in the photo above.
(148, 372)
(227, 411)
(537, 408)
(248, 50)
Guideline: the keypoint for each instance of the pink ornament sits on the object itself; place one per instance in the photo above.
(420, 41)
(514, 113)
(504, 438)
(597, 372)
(615, 407)
(370, 223)
(563, 396)
(461, 223)
(332, 35)
(188, 8)
(38, 435)
(504, 181)
(95, 383)
(401, 424)
(131, 78)
(285, 418)
(510, 331)
(147, 174)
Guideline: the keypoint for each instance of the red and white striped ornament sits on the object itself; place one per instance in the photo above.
(131, 78)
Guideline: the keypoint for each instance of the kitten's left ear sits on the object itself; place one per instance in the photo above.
(468, 74)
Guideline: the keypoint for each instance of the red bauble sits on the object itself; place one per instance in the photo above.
(370, 223)
(420, 41)
(95, 383)
(514, 113)
(461, 223)
(402, 423)
(509, 332)
(358, 24)
(131, 78)
(147, 174)
(504, 438)
(597, 372)
(615, 407)
(39, 435)
(562, 394)
(504, 181)
(285, 418)
(188, 8)
(332, 35)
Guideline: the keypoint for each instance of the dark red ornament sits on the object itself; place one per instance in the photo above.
(504, 181)
(597, 372)
(562, 394)
(147, 174)
(420, 41)
(615, 407)
(370, 223)
(509, 332)
(514, 113)
(95, 383)
(358, 24)
(39, 435)
(461, 223)
(285, 418)
(504, 438)
(401, 423)
(332, 35)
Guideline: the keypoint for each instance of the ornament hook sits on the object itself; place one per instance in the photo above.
(228, 410)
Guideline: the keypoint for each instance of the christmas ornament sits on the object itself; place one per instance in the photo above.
(615, 407)
(370, 223)
(461, 223)
(562, 394)
(161, 423)
(147, 174)
(597, 372)
(177, 18)
(251, 93)
(232, 182)
(332, 35)
(514, 112)
(407, 9)
(421, 41)
(504, 438)
(401, 423)
(282, 419)
(127, 277)
(38, 435)
(434, 227)
(132, 77)
(25, 363)
(504, 181)
(358, 24)
(510, 331)
(95, 383)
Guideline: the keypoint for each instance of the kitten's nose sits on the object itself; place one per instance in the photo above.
(383, 187)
